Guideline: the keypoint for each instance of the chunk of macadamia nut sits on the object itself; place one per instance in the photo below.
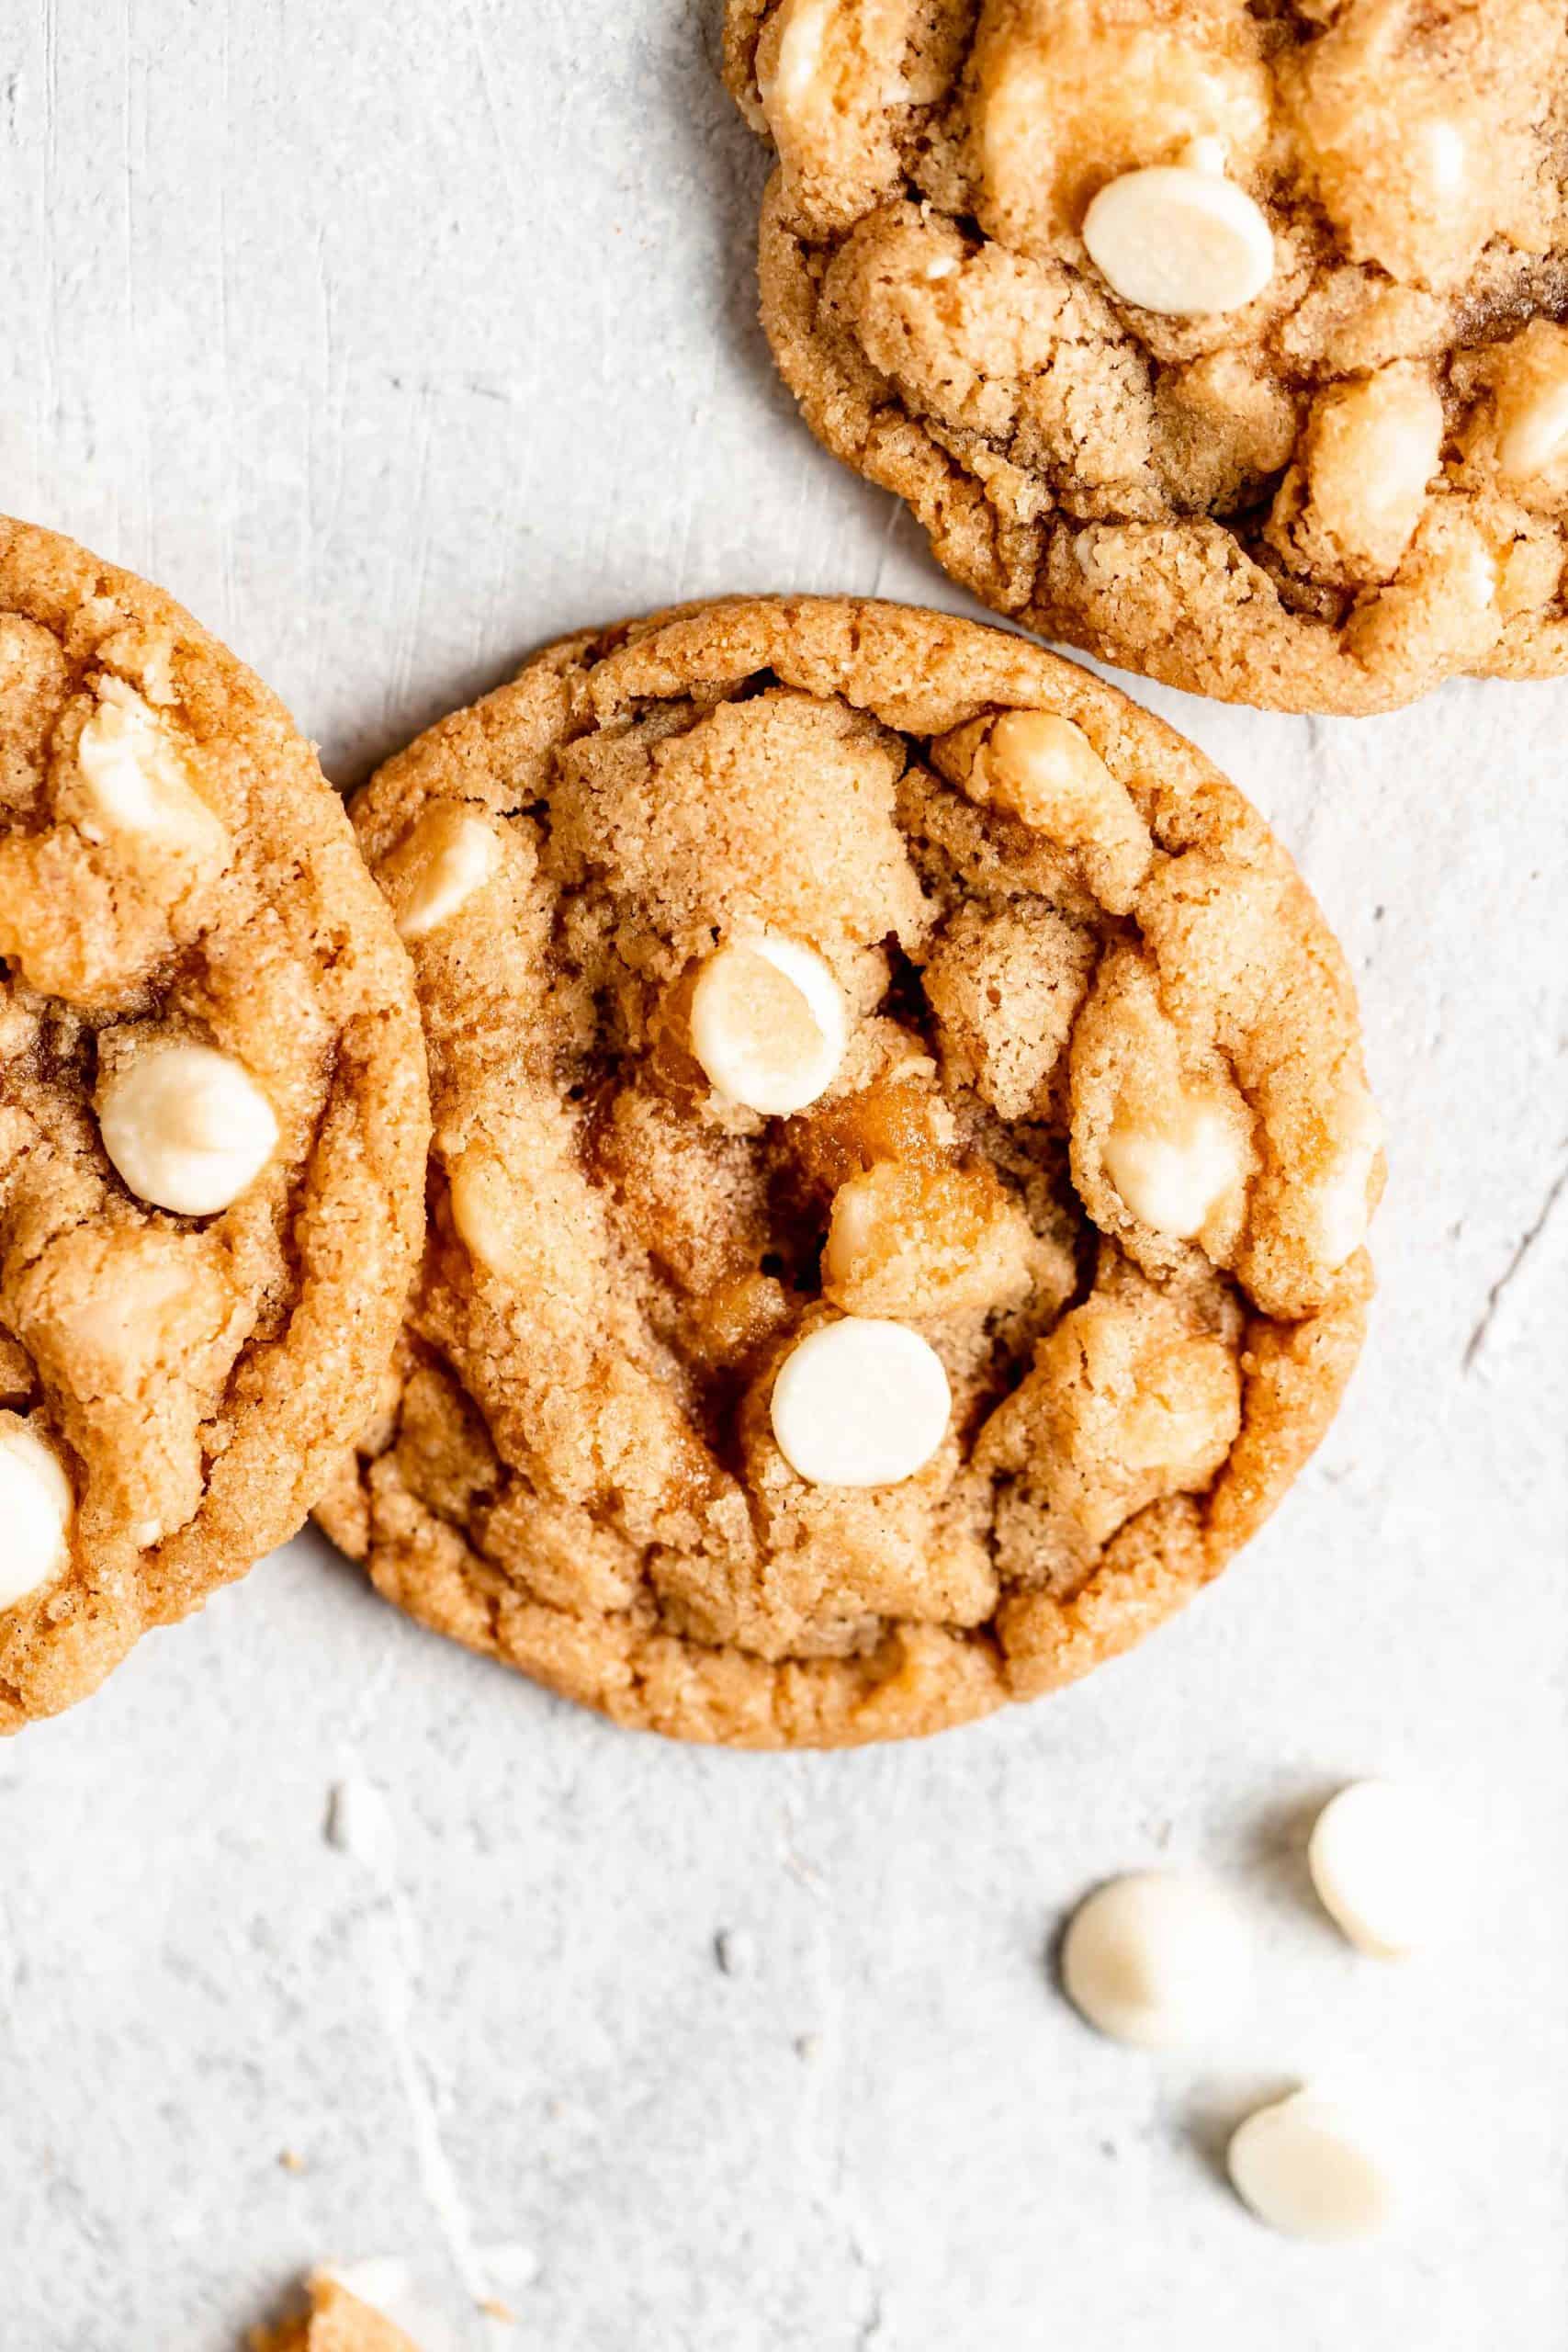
(1374, 446)
(1529, 431)
(448, 858)
(1041, 767)
(134, 782)
(921, 1241)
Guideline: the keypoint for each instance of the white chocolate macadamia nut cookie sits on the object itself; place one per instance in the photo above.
(1227, 341)
(213, 1121)
(896, 1118)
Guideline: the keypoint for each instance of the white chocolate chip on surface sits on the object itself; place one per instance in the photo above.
(1182, 241)
(1312, 2167)
(36, 1509)
(186, 1127)
(137, 781)
(768, 1024)
(1173, 1177)
(1383, 1859)
(862, 1402)
(1160, 1958)
(450, 857)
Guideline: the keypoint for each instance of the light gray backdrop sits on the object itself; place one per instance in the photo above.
(394, 339)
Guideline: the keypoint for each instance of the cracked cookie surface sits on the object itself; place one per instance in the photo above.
(902, 1161)
(213, 1120)
(987, 257)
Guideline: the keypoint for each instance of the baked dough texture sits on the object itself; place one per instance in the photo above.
(335, 2322)
(1330, 497)
(198, 986)
(574, 1465)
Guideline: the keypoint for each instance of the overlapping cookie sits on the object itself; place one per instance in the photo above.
(1226, 341)
(213, 1121)
(902, 1160)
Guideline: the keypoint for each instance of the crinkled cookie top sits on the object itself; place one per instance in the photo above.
(1225, 340)
(902, 1157)
(213, 1119)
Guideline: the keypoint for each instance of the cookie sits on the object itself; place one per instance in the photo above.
(336, 2322)
(1229, 342)
(213, 1121)
(902, 1161)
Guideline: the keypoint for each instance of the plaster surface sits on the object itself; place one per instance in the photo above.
(395, 340)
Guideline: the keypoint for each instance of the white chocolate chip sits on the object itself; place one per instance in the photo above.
(1537, 433)
(1042, 768)
(1531, 393)
(1343, 1212)
(36, 1509)
(1373, 447)
(768, 1024)
(861, 1402)
(137, 781)
(1180, 240)
(1315, 2168)
(802, 42)
(451, 856)
(1160, 1958)
(1382, 1859)
(1175, 1176)
(188, 1129)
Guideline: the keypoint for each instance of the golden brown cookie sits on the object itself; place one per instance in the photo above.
(335, 2322)
(213, 1121)
(1227, 341)
(902, 1161)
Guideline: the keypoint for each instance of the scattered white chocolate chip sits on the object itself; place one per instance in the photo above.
(1312, 2167)
(451, 856)
(768, 1024)
(1179, 240)
(1343, 1212)
(187, 1127)
(1383, 1859)
(1175, 1176)
(137, 780)
(36, 1509)
(1160, 1958)
(862, 1402)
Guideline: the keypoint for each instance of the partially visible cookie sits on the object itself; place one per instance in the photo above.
(335, 2322)
(213, 1120)
(1229, 342)
(902, 1157)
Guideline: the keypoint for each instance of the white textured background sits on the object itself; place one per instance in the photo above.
(394, 339)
